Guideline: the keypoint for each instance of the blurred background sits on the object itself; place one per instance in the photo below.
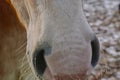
(104, 18)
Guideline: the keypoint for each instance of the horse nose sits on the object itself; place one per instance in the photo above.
(95, 51)
(39, 62)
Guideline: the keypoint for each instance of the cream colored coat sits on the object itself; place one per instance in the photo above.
(48, 38)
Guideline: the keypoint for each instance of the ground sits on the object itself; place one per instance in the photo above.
(104, 18)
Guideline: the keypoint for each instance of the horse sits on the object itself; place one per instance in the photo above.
(46, 39)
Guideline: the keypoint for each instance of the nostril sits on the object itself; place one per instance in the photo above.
(39, 61)
(95, 51)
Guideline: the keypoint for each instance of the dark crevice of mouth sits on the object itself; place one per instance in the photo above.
(39, 62)
(95, 51)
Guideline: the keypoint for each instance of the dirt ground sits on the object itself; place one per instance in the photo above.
(104, 18)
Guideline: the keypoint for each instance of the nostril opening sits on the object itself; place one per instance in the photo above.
(95, 51)
(39, 61)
